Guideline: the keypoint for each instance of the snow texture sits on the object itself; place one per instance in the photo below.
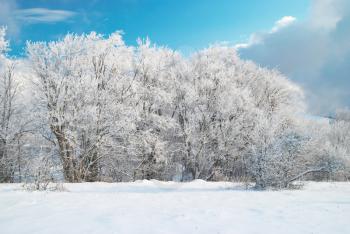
(170, 207)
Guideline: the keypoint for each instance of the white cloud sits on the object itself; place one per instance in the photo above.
(282, 23)
(325, 14)
(257, 38)
(253, 40)
(42, 15)
(314, 52)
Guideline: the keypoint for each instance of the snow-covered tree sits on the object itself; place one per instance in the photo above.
(331, 147)
(76, 77)
(14, 119)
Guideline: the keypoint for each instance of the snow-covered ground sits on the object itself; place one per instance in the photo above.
(169, 207)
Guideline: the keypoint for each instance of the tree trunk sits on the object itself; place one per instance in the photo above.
(70, 170)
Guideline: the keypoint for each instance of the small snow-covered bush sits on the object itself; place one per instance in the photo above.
(40, 175)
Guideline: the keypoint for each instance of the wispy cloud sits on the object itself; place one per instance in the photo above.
(14, 17)
(43, 15)
(6, 16)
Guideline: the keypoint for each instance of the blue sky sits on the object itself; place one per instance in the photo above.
(307, 40)
(179, 24)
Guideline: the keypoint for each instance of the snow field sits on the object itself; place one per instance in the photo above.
(170, 207)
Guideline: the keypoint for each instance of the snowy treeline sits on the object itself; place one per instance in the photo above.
(90, 108)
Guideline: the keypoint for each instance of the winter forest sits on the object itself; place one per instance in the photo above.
(89, 108)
